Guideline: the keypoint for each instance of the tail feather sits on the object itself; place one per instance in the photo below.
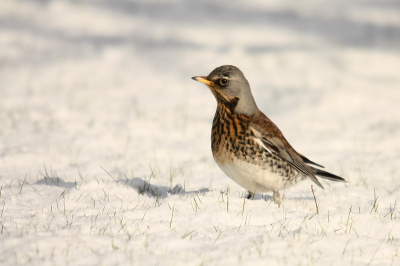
(308, 161)
(327, 175)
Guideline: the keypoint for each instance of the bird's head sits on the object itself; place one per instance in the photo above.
(230, 87)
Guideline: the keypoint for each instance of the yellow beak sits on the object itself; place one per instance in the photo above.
(203, 79)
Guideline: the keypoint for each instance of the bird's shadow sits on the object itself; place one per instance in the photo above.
(262, 196)
(56, 182)
(144, 187)
(269, 197)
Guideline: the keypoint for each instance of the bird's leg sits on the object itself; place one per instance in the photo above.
(277, 197)
(251, 195)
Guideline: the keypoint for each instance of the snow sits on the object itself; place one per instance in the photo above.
(105, 140)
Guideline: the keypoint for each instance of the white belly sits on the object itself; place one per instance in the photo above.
(253, 177)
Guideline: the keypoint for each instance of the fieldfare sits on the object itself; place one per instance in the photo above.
(247, 146)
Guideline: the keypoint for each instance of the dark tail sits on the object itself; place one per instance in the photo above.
(327, 175)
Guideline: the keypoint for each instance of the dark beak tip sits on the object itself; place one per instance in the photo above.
(194, 78)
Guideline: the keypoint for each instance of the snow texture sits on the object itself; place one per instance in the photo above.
(105, 140)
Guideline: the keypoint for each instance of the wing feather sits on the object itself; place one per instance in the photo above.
(276, 146)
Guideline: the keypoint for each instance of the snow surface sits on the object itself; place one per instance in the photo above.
(105, 140)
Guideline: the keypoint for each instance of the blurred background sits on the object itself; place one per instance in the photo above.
(107, 82)
(105, 140)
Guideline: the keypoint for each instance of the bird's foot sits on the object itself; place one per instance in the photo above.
(277, 198)
(251, 195)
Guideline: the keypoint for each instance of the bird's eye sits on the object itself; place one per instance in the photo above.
(223, 82)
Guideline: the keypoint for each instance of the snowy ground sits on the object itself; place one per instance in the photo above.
(105, 140)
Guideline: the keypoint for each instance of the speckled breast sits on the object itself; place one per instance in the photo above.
(242, 159)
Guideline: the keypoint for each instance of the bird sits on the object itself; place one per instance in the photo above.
(247, 146)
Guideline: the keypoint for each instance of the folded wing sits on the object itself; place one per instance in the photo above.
(268, 136)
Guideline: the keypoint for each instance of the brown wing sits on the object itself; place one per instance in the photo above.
(268, 135)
